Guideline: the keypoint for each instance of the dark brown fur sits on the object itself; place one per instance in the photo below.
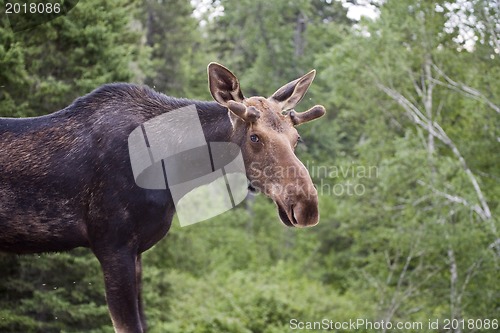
(66, 181)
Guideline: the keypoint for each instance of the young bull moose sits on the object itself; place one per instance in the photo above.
(66, 179)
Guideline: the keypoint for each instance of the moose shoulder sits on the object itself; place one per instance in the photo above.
(66, 179)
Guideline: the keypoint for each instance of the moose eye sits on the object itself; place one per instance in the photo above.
(299, 140)
(254, 138)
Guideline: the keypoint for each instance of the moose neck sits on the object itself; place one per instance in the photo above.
(216, 123)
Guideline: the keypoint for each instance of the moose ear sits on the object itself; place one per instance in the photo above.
(292, 93)
(224, 86)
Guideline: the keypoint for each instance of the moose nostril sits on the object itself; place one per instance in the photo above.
(293, 217)
(306, 213)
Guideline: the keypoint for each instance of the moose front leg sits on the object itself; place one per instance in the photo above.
(138, 278)
(120, 279)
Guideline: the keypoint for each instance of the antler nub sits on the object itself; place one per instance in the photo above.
(249, 114)
(311, 114)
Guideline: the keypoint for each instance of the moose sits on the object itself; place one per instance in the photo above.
(66, 179)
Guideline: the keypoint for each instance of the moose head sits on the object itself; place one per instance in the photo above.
(264, 128)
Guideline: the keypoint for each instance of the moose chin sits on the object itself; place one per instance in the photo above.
(66, 179)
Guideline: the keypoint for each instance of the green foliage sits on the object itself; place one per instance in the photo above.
(15, 78)
(240, 272)
(58, 61)
(269, 43)
(52, 293)
(249, 301)
(171, 35)
(416, 250)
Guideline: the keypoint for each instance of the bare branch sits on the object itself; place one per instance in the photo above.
(454, 300)
(464, 89)
(415, 85)
(412, 111)
(427, 101)
(471, 271)
(437, 131)
(455, 199)
(495, 244)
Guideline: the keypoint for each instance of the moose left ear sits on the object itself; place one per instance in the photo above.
(224, 85)
(292, 93)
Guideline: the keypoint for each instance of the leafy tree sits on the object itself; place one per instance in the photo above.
(269, 43)
(403, 113)
(52, 64)
(171, 32)
(43, 70)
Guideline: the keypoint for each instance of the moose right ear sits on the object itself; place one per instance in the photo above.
(290, 94)
(224, 86)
